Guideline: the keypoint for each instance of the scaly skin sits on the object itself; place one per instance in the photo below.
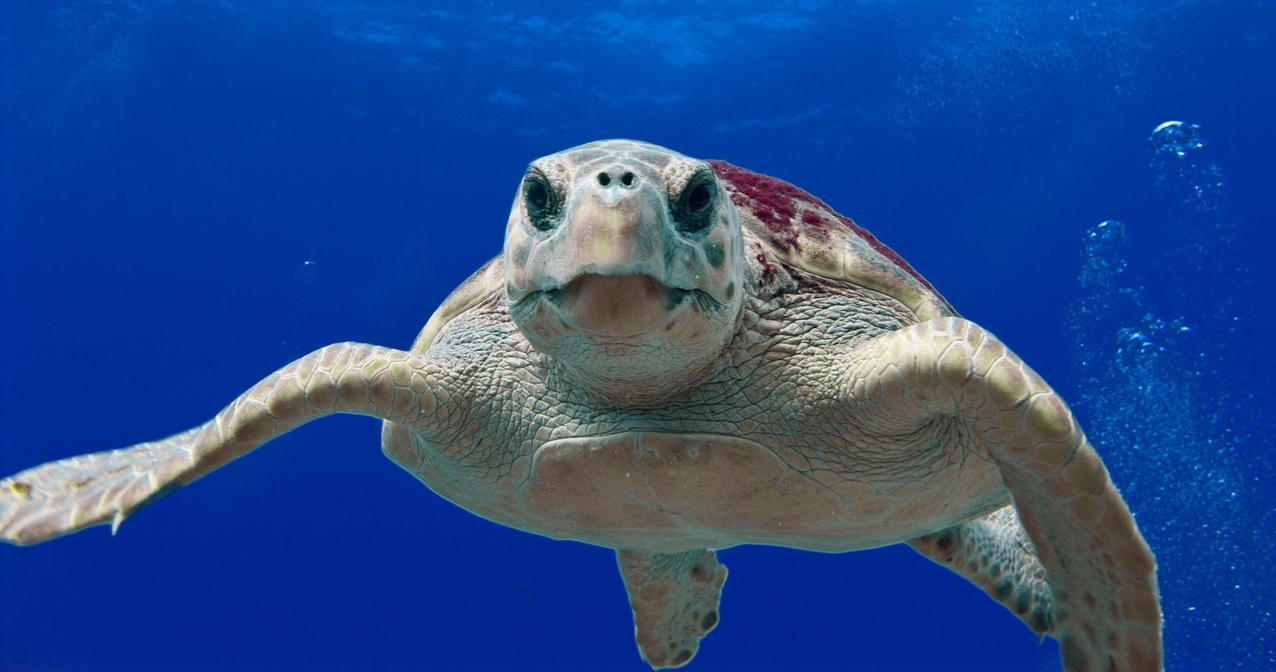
(672, 613)
(995, 553)
(69, 495)
(1102, 574)
(636, 375)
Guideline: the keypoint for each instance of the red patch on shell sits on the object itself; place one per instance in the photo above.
(770, 200)
(774, 203)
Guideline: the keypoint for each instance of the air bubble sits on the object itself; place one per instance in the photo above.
(307, 270)
(1180, 163)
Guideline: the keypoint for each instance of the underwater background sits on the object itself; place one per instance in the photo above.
(195, 193)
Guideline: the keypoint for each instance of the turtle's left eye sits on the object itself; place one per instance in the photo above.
(699, 198)
(696, 204)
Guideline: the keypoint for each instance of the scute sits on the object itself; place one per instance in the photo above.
(482, 285)
(800, 230)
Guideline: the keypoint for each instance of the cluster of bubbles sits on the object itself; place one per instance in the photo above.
(1181, 165)
(1156, 363)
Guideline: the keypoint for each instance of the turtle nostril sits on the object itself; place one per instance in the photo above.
(627, 179)
(604, 179)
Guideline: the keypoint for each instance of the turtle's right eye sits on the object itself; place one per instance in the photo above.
(540, 199)
(696, 204)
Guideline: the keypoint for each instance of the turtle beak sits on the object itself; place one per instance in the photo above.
(614, 248)
(615, 231)
(615, 224)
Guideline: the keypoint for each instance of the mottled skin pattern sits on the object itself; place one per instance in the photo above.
(673, 356)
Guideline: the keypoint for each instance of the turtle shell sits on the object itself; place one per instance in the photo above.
(799, 230)
(485, 284)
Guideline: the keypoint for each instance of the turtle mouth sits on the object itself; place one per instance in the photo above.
(614, 306)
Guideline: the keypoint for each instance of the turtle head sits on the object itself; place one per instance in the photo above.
(624, 263)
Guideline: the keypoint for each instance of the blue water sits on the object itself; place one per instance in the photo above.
(194, 193)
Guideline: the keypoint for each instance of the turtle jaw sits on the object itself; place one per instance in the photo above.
(616, 306)
(607, 309)
(630, 339)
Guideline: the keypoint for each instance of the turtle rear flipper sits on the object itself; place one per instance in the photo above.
(995, 553)
(675, 601)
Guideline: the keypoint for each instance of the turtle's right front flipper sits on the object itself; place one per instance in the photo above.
(71, 494)
(68, 495)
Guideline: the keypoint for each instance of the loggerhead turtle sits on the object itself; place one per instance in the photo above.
(672, 356)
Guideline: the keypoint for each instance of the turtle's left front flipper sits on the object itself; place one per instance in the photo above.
(1102, 576)
(675, 601)
(71, 494)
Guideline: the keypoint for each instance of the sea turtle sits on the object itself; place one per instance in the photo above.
(672, 356)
